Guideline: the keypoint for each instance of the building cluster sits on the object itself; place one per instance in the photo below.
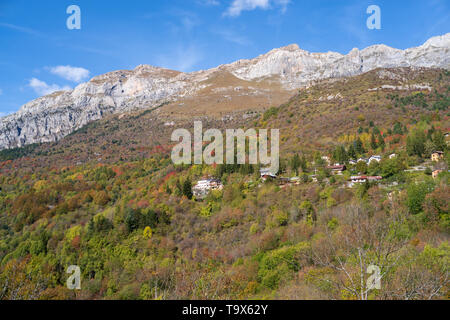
(283, 181)
(337, 169)
(203, 187)
(362, 179)
(266, 174)
(437, 156)
(368, 161)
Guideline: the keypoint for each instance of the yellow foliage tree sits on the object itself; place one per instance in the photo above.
(39, 185)
(148, 232)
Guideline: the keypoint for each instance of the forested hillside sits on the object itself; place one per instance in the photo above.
(109, 199)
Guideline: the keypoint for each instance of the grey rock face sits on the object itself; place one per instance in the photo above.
(54, 116)
(297, 67)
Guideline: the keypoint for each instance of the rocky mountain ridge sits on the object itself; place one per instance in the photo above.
(54, 116)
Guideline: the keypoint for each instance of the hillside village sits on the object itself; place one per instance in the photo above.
(435, 165)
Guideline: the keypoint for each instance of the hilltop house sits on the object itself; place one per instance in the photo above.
(295, 180)
(374, 158)
(437, 156)
(367, 160)
(202, 188)
(326, 159)
(363, 160)
(267, 174)
(363, 179)
(337, 169)
(436, 173)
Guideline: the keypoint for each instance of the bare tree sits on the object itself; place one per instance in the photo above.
(18, 284)
(362, 240)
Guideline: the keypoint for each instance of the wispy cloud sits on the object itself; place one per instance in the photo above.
(233, 37)
(237, 6)
(42, 88)
(1, 92)
(208, 2)
(75, 74)
(353, 26)
(55, 40)
(185, 21)
(181, 58)
(22, 29)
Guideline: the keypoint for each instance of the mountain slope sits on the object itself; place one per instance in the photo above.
(266, 80)
(315, 118)
(108, 199)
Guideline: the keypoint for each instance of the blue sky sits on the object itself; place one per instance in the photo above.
(39, 54)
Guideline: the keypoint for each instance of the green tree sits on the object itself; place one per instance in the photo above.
(416, 196)
(390, 167)
(303, 164)
(415, 143)
(430, 147)
(398, 128)
(340, 155)
(187, 188)
(295, 163)
(132, 219)
(381, 142)
(351, 152)
(359, 147)
(439, 140)
(361, 167)
(373, 142)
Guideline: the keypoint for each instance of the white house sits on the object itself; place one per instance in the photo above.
(266, 173)
(374, 158)
(362, 179)
(337, 169)
(363, 160)
(326, 159)
(202, 188)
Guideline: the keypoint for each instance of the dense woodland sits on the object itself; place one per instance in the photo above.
(119, 209)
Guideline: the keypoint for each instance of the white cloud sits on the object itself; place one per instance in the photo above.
(70, 73)
(1, 92)
(42, 88)
(237, 6)
(208, 2)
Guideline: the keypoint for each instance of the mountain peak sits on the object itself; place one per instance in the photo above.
(291, 47)
(438, 41)
(282, 70)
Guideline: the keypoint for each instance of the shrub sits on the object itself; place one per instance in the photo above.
(280, 264)
(416, 196)
(101, 198)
